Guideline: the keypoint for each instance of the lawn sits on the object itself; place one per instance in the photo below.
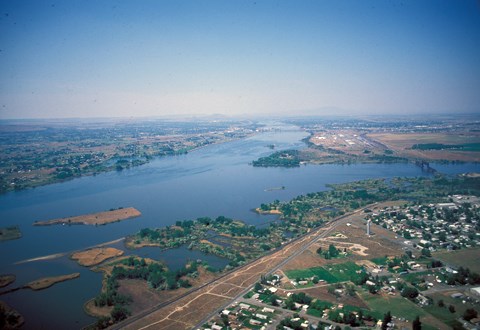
(345, 271)
(330, 273)
(381, 261)
(321, 272)
(397, 305)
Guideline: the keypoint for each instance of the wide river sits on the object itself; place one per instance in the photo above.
(212, 181)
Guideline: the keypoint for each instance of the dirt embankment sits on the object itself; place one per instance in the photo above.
(100, 218)
(95, 256)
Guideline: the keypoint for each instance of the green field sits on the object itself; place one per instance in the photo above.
(331, 273)
(397, 305)
(381, 261)
(465, 258)
(321, 272)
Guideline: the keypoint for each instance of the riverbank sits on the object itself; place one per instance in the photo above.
(100, 218)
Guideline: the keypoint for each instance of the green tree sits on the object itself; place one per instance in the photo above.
(119, 313)
(451, 308)
(469, 314)
(416, 324)
(387, 318)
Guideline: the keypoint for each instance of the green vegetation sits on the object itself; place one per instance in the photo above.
(398, 306)
(287, 158)
(441, 146)
(155, 273)
(331, 274)
(332, 252)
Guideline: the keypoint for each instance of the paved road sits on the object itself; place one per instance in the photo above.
(239, 281)
(333, 225)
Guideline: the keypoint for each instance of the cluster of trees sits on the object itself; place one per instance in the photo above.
(287, 158)
(332, 252)
(463, 276)
(299, 298)
(156, 274)
(291, 323)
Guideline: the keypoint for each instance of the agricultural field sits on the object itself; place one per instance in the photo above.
(432, 146)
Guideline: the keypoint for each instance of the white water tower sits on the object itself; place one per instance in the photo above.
(369, 222)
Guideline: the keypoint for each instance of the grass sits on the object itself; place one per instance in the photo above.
(321, 272)
(397, 305)
(465, 258)
(381, 261)
(331, 273)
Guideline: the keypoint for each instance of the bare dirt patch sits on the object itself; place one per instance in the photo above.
(95, 256)
(321, 293)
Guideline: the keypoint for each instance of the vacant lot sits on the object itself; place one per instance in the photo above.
(465, 258)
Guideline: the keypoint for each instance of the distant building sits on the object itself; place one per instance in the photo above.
(476, 290)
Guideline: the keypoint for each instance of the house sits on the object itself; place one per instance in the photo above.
(261, 316)
(254, 322)
(268, 310)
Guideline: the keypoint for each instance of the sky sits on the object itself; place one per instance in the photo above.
(61, 59)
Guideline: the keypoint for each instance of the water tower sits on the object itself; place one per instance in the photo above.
(369, 222)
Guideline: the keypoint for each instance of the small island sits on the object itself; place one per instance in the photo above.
(6, 280)
(12, 319)
(100, 218)
(8, 233)
(47, 282)
(95, 256)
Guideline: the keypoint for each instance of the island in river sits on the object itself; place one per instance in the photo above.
(95, 256)
(100, 218)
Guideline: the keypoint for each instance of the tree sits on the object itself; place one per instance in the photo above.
(387, 318)
(469, 314)
(258, 287)
(409, 292)
(119, 313)
(441, 303)
(451, 308)
(416, 324)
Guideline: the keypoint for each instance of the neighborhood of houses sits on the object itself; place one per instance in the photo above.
(453, 225)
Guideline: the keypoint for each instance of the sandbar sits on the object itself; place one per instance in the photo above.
(47, 282)
(95, 256)
(100, 218)
(9, 233)
(6, 280)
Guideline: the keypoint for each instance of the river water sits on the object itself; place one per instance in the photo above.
(212, 181)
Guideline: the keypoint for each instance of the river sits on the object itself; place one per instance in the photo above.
(212, 181)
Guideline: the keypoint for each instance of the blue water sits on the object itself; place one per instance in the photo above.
(215, 180)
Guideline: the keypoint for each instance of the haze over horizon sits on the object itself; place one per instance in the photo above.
(79, 59)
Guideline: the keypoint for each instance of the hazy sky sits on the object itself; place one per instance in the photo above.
(148, 58)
